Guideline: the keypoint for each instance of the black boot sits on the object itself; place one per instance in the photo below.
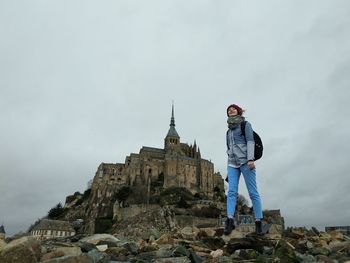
(258, 228)
(229, 226)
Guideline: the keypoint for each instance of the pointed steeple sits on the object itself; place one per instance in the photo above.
(172, 131)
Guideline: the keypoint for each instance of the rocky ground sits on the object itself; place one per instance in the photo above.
(189, 244)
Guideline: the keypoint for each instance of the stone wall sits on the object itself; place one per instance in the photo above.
(122, 213)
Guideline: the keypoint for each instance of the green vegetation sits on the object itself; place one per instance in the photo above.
(56, 212)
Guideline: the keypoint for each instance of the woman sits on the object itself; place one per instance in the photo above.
(240, 150)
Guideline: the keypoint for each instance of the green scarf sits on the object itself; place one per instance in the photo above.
(232, 121)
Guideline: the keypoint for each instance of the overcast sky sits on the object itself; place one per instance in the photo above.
(85, 82)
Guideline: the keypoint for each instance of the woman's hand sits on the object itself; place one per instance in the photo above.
(251, 165)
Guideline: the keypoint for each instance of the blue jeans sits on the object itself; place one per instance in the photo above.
(250, 181)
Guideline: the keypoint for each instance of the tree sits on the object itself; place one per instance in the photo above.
(55, 212)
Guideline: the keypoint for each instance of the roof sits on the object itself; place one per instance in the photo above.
(48, 224)
(172, 132)
(2, 229)
(152, 149)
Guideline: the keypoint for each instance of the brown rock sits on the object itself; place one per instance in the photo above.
(339, 246)
(53, 254)
(25, 249)
(323, 258)
(165, 239)
(217, 253)
(336, 235)
(200, 249)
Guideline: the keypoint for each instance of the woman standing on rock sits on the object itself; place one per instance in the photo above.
(240, 150)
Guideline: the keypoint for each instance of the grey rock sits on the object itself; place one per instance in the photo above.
(267, 250)
(131, 247)
(305, 258)
(173, 260)
(195, 258)
(180, 251)
(86, 247)
(320, 251)
(98, 257)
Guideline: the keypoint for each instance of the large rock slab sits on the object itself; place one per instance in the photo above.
(25, 249)
(100, 238)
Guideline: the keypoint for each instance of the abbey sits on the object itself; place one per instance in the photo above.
(176, 165)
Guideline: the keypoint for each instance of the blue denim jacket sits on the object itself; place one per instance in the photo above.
(240, 149)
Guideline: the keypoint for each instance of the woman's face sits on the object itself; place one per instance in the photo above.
(232, 111)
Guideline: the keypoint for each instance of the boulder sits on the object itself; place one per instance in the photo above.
(165, 239)
(62, 251)
(25, 249)
(98, 238)
(285, 252)
(217, 253)
(173, 260)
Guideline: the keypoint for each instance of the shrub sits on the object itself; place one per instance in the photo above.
(55, 212)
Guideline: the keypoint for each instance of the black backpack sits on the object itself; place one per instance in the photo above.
(258, 149)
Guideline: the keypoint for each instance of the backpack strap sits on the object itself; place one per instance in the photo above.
(243, 123)
(227, 140)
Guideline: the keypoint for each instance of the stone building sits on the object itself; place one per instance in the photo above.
(47, 228)
(177, 164)
(343, 229)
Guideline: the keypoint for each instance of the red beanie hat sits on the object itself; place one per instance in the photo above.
(239, 109)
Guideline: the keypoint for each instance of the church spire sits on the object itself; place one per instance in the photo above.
(172, 121)
(172, 131)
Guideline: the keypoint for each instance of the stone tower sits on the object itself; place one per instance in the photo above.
(172, 139)
(2, 232)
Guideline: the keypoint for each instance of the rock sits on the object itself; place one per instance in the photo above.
(25, 249)
(2, 243)
(151, 232)
(200, 249)
(86, 247)
(217, 253)
(84, 258)
(248, 254)
(99, 257)
(98, 238)
(51, 255)
(149, 247)
(285, 252)
(314, 229)
(234, 234)
(195, 258)
(207, 232)
(187, 233)
(320, 251)
(336, 235)
(323, 258)
(337, 246)
(180, 251)
(163, 253)
(117, 253)
(305, 258)
(213, 242)
(325, 236)
(165, 239)
(131, 247)
(257, 243)
(294, 233)
(267, 250)
(102, 248)
(62, 251)
(173, 260)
